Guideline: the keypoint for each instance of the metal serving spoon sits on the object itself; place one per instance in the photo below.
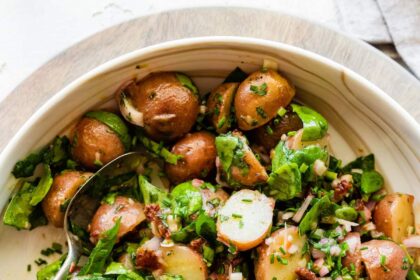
(86, 201)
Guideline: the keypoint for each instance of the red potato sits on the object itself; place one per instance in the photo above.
(182, 260)
(354, 255)
(383, 260)
(260, 96)
(64, 187)
(245, 219)
(198, 152)
(394, 215)
(131, 213)
(292, 243)
(94, 144)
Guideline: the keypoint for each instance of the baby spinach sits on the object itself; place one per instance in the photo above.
(19, 208)
(43, 186)
(364, 163)
(185, 234)
(346, 213)
(26, 167)
(285, 182)
(310, 220)
(101, 252)
(371, 181)
(119, 269)
(150, 193)
(187, 82)
(315, 126)
(186, 200)
(157, 149)
(49, 271)
(206, 227)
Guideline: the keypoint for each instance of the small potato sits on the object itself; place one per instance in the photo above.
(259, 97)
(199, 155)
(169, 109)
(354, 255)
(383, 260)
(219, 105)
(64, 187)
(269, 135)
(95, 144)
(182, 260)
(130, 212)
(245, 219)
(269, 264)
(394, 214)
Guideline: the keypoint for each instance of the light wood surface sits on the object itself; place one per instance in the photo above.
(148, 30)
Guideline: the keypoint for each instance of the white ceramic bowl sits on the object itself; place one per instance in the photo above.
(362, 118)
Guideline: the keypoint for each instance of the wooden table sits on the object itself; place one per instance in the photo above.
(148, 30)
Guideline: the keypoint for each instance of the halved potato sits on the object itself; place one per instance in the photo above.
(383, 260)
(394, 214)
(281, 255)
(354, 255)
(245, 219)
(181, 260)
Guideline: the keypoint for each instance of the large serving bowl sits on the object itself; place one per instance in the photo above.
(362, 118)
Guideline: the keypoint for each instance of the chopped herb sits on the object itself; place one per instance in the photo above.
(282, 250)
(282, 260)
(261, 112)
(364, 248)
(221, 122)
(232, 249)
(28, 267)
(259, 90)
(254, 122)
(216, 111)
(291, 133)
(98, 163)
(269, 130)
(281, 112)
(40, 261)
(241, 224)
(247, 200)
(303, 167)
(272, 258)
(236, 216)
(382, 262)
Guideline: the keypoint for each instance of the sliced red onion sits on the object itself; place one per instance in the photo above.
(295, 142)
(412, 241)
(370, 205)
(369, 226)
(153, 244)
(317, 254)
(319, 263)
(302, 209)
(335, 250)
(323, 271)
(197, 183)
(347, 224)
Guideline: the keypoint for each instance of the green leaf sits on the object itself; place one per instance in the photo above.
(285, 182)
(37, 217)
(150, 193)
(205, 227)
(310, 220)
(171, 277)
(187, 82)
(413, 275)
(371, 181)
(115, 268)
(101, 252)
(185, 234)
(365, 163)
(49, 271)
(158, 149)
(315, 126)
(236, 76)
(186, 200)
(26, 167)
(19, 208)
(43, 186)
(225, 146)
(115, 123)
(346, 213)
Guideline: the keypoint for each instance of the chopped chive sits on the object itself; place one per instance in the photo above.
(259, 90)
(281, 112)
(282, 250)
(237, 216)
(303, 168)
(221, 122)
(247, 200)
(269, 130)
(330, 175)
(261, 112)
(291, 133)
(272, 258)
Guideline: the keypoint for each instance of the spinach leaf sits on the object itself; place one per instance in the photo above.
(371, 181)
(19, 208)
(315, 126)
(101, 252)
(185, 234)
(413, 275)
(115, 268)
(150, 193)
(49, 271)
(37, 217)
(43, 186)
(187, 82)
(225, 146)
(186, 200)
(310, 220)
(346, 213)
(236, 76)
(308, 155)
(365, 163)
(26, 167)
(206, 227)
(285, 182)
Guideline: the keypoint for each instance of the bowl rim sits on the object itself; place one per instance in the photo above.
(403, 116)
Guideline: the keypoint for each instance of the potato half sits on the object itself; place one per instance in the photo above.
(394, 214)
(281, 255)
(182, 260)
(245, 219)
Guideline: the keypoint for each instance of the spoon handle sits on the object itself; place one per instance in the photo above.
(70, 262)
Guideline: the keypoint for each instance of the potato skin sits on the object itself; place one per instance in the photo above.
(265, 270)
(130, 211)
(277, 127)
(95, 144)
(394, 214)
(279, 93)
(64, 187)
(393, 254)
(219, 105)
(182, 260)
(199, 155)
(169, 108)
